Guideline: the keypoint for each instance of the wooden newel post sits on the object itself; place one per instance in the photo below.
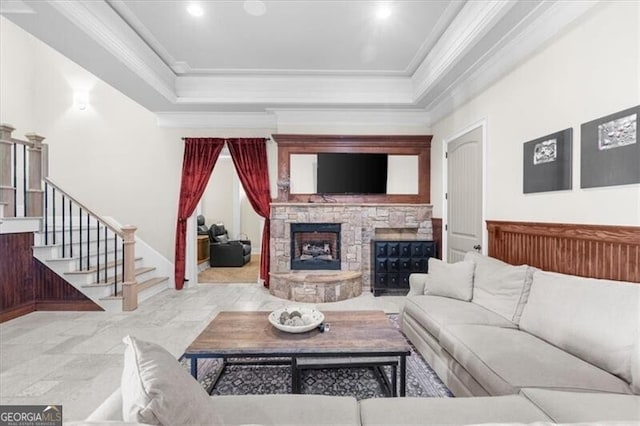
(7, 191)
(35, 193)
(129, 290)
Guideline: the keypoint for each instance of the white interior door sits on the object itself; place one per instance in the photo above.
(464, 195)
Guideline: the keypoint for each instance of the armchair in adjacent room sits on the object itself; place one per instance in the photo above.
(202, 228)
(225, 252)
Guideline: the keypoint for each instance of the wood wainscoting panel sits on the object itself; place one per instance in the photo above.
(16, 283)
(436, 224)
(50, 287)
(594, 251)
(27, 285)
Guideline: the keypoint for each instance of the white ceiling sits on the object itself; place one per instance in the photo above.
(426, 58)
(301, 37)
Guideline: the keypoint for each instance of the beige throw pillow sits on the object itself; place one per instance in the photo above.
(453, 280)
(499, 286)
(156, 390)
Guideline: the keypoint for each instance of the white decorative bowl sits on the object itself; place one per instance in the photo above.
(315, 318)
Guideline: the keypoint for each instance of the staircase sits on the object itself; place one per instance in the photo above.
(90, 252)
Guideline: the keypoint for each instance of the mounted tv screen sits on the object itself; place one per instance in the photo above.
(342, 173)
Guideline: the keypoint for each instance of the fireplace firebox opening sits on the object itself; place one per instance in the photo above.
(315, 246)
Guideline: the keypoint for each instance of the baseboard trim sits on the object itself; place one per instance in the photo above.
(17, 311)
(66, 305)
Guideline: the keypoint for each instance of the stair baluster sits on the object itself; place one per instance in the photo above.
(80, 234)
(24, 181)
(106, 265)
(46, 213)
(70, 229)
(64, 246)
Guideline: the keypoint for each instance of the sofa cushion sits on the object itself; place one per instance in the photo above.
(635, 365)
(454, 280)
(110, 409)
(434, 312)
(246, 249)
(504, 360)
(596, 320)
(449, 411)
(565, 407)
(500, 287)
(275, 410)
(156, 390)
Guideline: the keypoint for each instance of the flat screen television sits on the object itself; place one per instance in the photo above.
(345, 173)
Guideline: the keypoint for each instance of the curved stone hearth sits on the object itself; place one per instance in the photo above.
(316, 286)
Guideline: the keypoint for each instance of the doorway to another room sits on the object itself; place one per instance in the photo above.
(228, 242)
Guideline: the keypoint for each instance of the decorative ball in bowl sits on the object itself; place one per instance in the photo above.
(296, 319)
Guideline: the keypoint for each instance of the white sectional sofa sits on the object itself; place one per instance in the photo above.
(525, 346)
(525, 328)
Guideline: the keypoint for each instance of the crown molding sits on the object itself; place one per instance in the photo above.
(183, 68)
(294, 90)
(514, 51)
(98, 20)
(450, 13)
(470, 25)
(217, 120)
(353, 117)
(15, 6)
(278, 117)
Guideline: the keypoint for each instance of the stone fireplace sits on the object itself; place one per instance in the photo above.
(315, 246)
(358, 224)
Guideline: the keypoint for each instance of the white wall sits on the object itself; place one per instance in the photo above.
(111, 156)
(17, 68)
(591, 70)
(217, 201)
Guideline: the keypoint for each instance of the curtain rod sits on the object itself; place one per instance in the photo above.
(266, 139)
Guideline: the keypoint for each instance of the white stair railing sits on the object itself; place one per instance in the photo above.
(77, 231)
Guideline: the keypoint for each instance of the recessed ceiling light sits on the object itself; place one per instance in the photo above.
(195, 10)
(383, 12)
(255, 7)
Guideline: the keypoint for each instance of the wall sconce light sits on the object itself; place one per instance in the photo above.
(81, 100)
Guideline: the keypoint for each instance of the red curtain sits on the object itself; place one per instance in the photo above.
(200, 155)
(249, 156)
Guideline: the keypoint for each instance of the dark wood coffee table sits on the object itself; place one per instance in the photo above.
(357, 338)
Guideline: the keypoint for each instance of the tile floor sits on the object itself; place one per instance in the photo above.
(75, 358)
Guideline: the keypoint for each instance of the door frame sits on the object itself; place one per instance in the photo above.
(445, 182)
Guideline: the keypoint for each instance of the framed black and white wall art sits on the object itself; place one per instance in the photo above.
(547, 163)
(610, 151)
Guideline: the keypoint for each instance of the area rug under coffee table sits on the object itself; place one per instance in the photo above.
(421, 380)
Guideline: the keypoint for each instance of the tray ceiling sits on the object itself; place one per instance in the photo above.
(425, 57)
